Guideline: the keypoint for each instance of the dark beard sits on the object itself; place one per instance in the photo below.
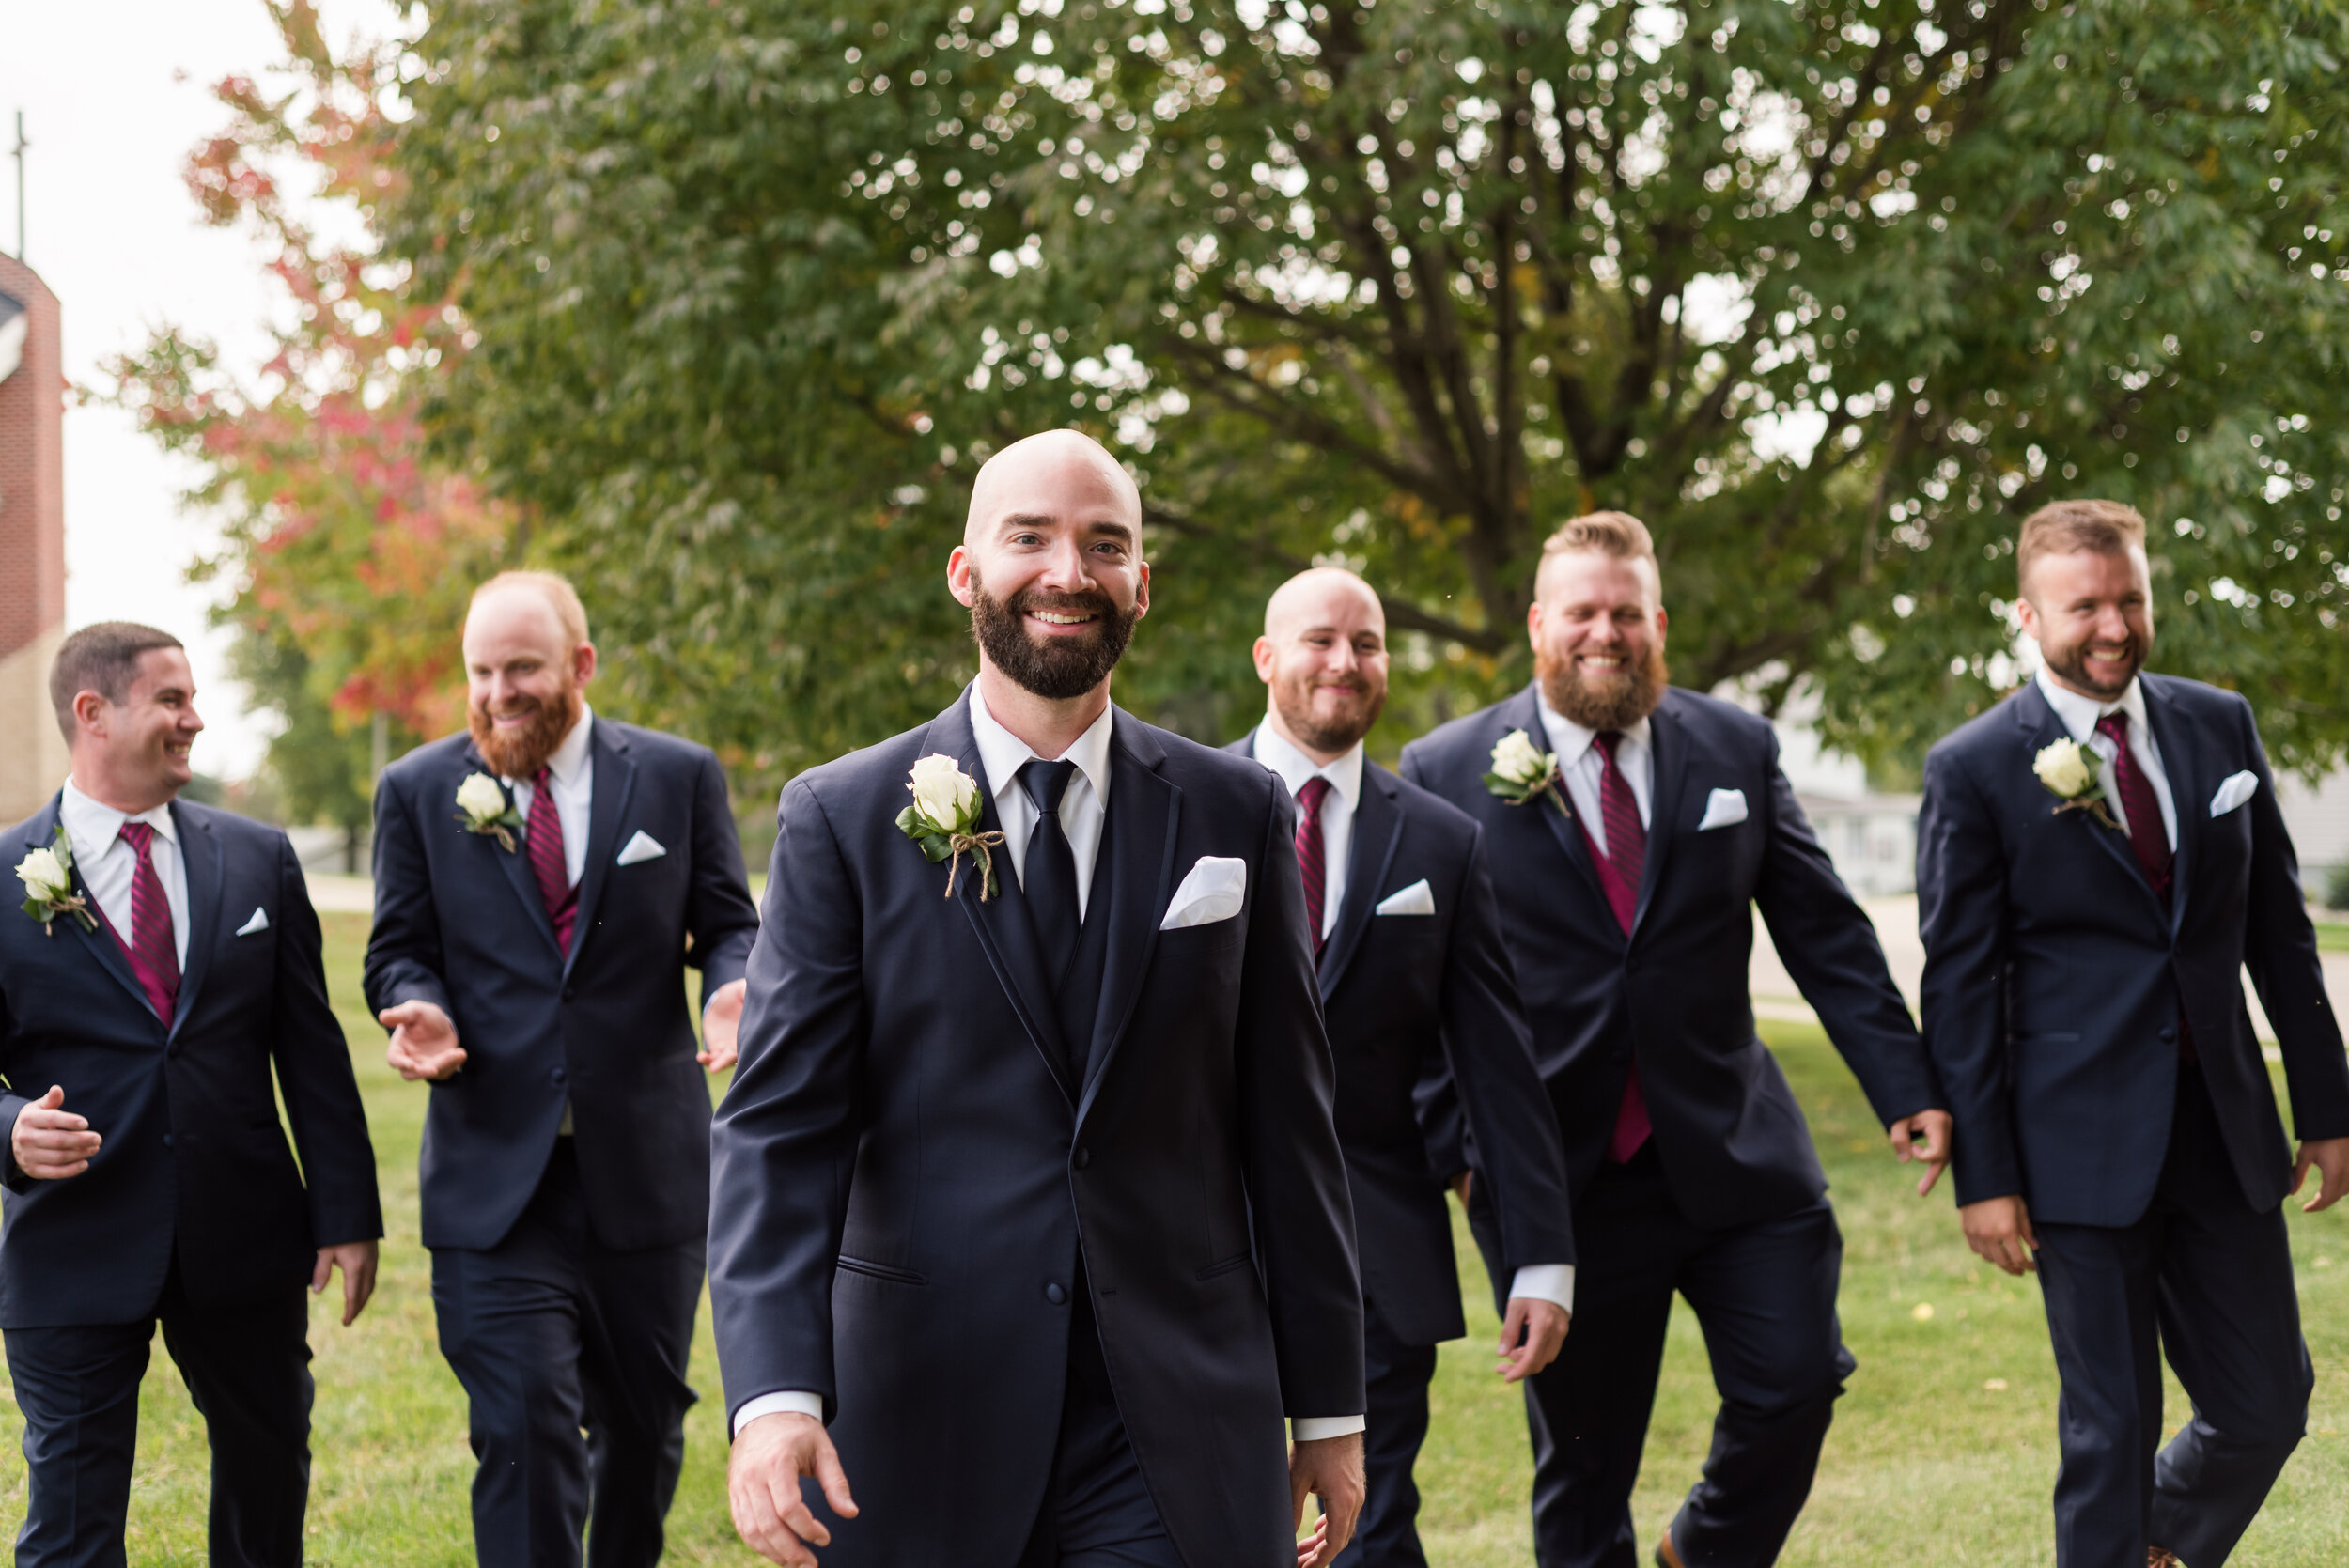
(2070, 664)
(521, 756)
(1058, 669)
(1338, 734)
(1617, 705)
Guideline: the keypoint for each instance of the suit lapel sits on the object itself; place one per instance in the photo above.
(1378, 829)
(613, 782)
(2041, 729)
(42, 834)
(1668, 756)
(514, 862)
(200, 857)
(1524, 712)
(2174, 738)
(1001, 923)
(1139, 836)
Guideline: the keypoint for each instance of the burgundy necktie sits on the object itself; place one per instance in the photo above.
(154, 958)
(1310, 860)
(1626, 855)
(547, 860)
(2148, 836)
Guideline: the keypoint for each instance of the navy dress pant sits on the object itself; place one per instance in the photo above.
(553, 1334)
(2208, 1278)
(1765, 1295)
(1387, 1534)
(1097, 1510)
(247, 1369)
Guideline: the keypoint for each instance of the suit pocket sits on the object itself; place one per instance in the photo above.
(1229, 1266)
(881, 1271)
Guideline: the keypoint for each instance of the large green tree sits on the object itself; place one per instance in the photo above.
(1829, 291)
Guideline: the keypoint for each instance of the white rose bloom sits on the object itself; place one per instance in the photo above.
(2065, 768)
(480, 798)
(942, 791)
(1515, 759)
(42, 875)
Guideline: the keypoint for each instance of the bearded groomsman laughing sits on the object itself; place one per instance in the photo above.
(2098, 859)
(1408, 951)
(540, 882)
(1634, 827)
(1030, 1190)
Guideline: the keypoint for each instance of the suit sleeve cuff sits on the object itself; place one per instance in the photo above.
(1552, 1282)
(1313, 1429)
(791, 1401)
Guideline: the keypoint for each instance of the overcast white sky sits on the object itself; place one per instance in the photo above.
(115, 92)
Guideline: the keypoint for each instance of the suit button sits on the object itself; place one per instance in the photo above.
(1084, 1158)
(570, 991)
(1055, 1293)
(560, 1074)
(167, 1140)
(2169, 1034)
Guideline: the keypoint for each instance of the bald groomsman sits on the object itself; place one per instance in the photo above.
(541, 882)
(1408, 950)
(1635, 829)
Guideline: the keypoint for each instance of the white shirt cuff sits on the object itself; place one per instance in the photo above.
(1313, 1429)
(1552, 1282)
(794, 1402)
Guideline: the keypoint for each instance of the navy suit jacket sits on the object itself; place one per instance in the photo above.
(1731, 1138)
(910, 1179)
(194, 1167)
(1403, 994)
(2055, 981)
(458, 922)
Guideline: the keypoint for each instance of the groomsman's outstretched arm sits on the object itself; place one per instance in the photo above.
(721, 918)
(404, 960)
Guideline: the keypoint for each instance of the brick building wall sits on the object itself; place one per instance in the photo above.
(32, 545)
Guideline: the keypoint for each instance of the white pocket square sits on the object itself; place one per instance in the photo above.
(258, 923)
(2234, 792)
(1417, 899)
(643, 847)
(1216, 889)
(1723, 808)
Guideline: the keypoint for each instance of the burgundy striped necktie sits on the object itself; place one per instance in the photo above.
(1311, 861)
(1626, 852)
(2148, 835)
(548, 864)
(154, 957)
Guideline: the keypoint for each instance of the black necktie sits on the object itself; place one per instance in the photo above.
(1049, 878)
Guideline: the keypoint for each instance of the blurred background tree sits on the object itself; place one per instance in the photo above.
(347, 556)
(1831, 292)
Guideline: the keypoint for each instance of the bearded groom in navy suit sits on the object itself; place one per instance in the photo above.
(2099, 858)
(1027, 1183)
(541, 882)
(169, 962)
(1413, 975)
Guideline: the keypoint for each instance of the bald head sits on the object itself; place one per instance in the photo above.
(1325, 594)
(1054, 465)
(1323, 657)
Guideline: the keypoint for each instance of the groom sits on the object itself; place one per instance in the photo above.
(1034, 1195)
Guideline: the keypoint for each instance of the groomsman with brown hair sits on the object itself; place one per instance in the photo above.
(2098, 859)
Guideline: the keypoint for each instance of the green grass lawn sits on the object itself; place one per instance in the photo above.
(2332, 935)
(1942, 1451)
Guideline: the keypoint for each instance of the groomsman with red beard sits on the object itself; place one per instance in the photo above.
(1633, 829)
(2099, 859)
(538, 882)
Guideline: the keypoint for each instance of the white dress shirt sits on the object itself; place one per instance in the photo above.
(1337, 807)
(1083, 806)
(572, 772)
(107, 864)
(1580, 760)
(2079, 715)
(1547, 1282)
(1083, 810)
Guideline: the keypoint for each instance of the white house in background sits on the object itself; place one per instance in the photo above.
(2318, 817)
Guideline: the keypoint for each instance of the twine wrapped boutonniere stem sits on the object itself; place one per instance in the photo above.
(48, 878)
(2069, 769)
(943, 821)
(1521, 773)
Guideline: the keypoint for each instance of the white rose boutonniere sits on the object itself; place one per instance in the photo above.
(2068, 770)
(483, 808)
(48, 878)
(1520, 773)
(943, 821)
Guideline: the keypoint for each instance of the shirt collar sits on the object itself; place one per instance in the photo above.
(1002, 753)
(1570, 740)
(571, 755)
(1294, 767)
(2080, 714)
(93, 826)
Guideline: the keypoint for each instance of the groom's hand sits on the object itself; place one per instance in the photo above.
(1925, 1139)
(2330, 1155)
(771, 1454)
(721, 1023)
(1530, 1337)
(1998, 1230)
(423, 1041)
(1331, 1469)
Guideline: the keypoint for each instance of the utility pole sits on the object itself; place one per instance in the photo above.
(20, 145)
